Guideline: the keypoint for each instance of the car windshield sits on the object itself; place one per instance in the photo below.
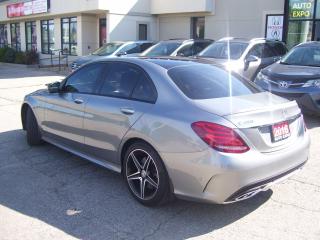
(224, 50)
(107, 49)
(303, 56)
(207, 82)
(161, 49)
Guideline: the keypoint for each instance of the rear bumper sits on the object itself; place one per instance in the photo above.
(263, 185)
(224, 178)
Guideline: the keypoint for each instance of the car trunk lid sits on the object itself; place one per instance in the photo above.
(255, 114)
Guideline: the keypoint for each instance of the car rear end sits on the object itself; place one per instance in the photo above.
(251, 140)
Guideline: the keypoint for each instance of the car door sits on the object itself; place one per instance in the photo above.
(250, 67)
(270, 53)
(65, 110)
(126, 92)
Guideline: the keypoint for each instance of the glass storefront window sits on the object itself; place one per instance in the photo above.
(298, 32)
(303, 21)
(31, 36)
(317, 31)
(15, 36)
(3, 35)
(301, 9)
(47, 36)
(69, 35)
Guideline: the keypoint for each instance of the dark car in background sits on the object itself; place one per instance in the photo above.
(113, 49)
(296, 77)
(177, 47)
(244, 56)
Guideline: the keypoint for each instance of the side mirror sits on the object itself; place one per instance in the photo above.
(180, 54)
(251, 59)
(54, 87)
(119, 54)
(248, 60)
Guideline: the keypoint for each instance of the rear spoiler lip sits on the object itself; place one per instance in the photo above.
(288, 111)
(271, 108)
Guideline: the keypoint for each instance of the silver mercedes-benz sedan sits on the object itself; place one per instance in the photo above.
(172, 127)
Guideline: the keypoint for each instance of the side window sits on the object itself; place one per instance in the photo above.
(268, 52)
(131, 48)
(186, 51)
(256, 51)
(145, 46)
(145, 90)
(198, 47)
(120, 80)
(84, 80)
(279, 48)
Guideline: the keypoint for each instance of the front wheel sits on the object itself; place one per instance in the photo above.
(32, 128)
(146, 176)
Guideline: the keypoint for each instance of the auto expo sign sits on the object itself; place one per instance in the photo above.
(301, 9)
(27, 8)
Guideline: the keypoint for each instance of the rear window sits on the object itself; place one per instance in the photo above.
(207, 82)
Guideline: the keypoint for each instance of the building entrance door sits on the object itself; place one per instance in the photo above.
(102, 31)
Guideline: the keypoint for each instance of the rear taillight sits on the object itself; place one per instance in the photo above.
(220, 138)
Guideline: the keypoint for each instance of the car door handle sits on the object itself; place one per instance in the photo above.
(127, 111)
(78, 101)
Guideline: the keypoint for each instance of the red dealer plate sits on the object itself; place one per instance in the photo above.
(280, 131)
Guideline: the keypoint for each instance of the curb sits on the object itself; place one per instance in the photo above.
(18, 65)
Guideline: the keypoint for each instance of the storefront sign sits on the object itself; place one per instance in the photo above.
(301, 9)
(274, 27)
(27, 8)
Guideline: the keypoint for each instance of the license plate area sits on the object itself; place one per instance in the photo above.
(280, 131)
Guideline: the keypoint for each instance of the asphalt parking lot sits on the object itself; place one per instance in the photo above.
(47, 193)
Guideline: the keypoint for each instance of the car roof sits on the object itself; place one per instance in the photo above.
(139, 41)
(128, 42)
(309, 44)
(246, 40)
(182, 40)
(167, 62)
(171, 62)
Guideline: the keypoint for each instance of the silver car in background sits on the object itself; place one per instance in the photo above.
(172, 127)
(244, 56)
(111, 50)
(177, 47)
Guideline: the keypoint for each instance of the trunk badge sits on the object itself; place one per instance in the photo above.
(284, 113)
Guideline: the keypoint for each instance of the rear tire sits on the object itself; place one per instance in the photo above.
(146, 176)
(32, 128)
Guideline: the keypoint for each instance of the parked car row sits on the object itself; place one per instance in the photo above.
(192, 127)
(173, 47)
(243, 56)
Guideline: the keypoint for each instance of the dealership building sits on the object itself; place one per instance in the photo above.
(80, 26)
